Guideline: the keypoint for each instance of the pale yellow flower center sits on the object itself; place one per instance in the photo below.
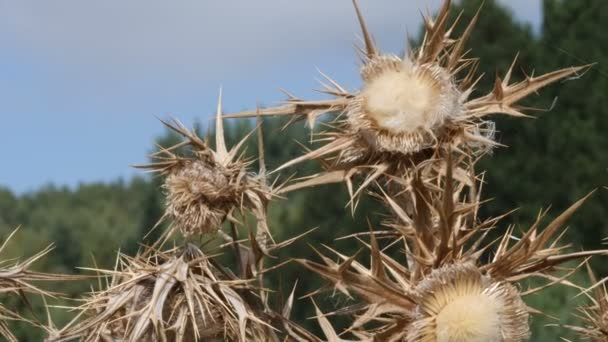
(470, 318)
(402, 101)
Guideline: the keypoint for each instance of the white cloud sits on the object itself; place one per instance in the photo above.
(122, 38)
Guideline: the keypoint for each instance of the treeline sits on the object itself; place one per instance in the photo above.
(553, 160)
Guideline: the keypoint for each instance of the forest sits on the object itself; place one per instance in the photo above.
(550, 160)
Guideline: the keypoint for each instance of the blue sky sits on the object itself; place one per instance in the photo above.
(82, 82)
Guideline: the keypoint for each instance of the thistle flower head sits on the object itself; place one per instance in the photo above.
(402, 105)
(177, 295)
(409, 107)
(199, 196)
(457, 303)
(204, 188)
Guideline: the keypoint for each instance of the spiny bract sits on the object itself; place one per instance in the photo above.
(595, 315)
(16, 279)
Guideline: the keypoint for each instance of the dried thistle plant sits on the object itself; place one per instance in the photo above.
(16, 279)
(444, 288)
(175, 295)
(409, 108)
(437, 277)
(184, 294)
(203, 189)
(180, 294)
(595, 315)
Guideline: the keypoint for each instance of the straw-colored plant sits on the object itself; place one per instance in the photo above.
(184, 293)
(414, 121)
(16, 279)
(595, 315)
(410, 108)
(433, 280)
(206, 187)
(437, 272)
(176, 295)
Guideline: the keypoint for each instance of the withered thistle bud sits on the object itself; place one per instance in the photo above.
(199, 196)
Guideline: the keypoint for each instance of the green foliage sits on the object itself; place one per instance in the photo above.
(560, 156)
(561, 303)
(91, 223)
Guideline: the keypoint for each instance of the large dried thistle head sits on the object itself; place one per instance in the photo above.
(458, 303)
(440, 278)
(204, 188)
(16, 279)
(409, 106)
(177, 295)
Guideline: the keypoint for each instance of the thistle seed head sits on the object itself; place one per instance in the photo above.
(403, 106)
(199, 196)
(459, 304)
(202, 187)
(410, 109)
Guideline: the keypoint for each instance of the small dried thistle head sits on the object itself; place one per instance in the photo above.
(441, 285)
(409, 107)
(177, 295)
(199, 196)
(202, 189)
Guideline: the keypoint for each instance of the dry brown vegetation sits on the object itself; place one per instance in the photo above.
(411, 138)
